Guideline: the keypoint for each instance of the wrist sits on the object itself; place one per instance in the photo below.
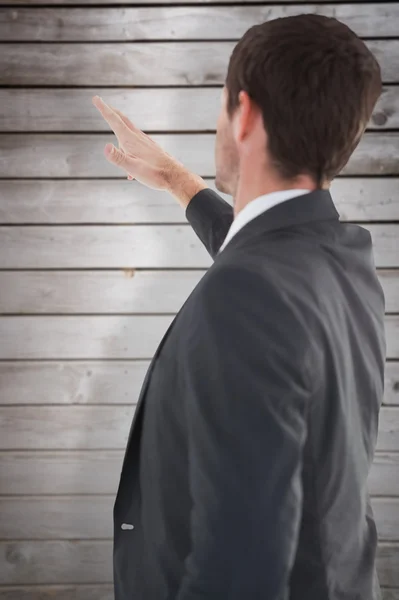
(183, 184)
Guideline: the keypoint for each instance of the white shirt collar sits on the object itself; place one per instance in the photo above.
(258, 206)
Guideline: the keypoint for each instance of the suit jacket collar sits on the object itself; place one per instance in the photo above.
(314, 206)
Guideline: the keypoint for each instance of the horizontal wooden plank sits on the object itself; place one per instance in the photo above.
(134, 247)
(81, 337)
(69, 472)
(178, 23)
(106, 292)
(122, 292)
(77, 155)
(98, 337)
(96, 382)
(140, 63)
(34, 562)
(56, 562)
(64, 592)
(387, 594)
(119, 201)
(391, 396)
(73, 517)
(387, 564)
(151, 109)
(127, 247)
(107, 427)
(76, 472)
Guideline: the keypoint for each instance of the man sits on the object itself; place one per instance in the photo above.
(246, 467)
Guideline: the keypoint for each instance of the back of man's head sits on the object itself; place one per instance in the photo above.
(316, 83)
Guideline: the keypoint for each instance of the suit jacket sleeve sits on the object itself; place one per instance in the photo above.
(210, 216)
(246, 377)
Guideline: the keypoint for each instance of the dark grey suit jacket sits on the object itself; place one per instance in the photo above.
(246, 467)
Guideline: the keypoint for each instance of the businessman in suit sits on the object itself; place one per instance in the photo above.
(245, 474)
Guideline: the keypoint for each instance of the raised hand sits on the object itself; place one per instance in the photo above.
(138, 154)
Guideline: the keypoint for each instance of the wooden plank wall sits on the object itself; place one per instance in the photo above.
(93, 268)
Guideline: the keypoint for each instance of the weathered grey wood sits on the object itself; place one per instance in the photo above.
(87, 472)
(387, 594)
(120, 201)
(150, 108)
(81, 337)
(74, 155)
(96, 382)
(122, 292)
(387, 564)
(391, 396)
(98, 337)
(386, 513)
(384, 475)
(133, 247)
(108, 382)
(66, 427)
(56, 562)
(62, 592)
(107, 427)
(141, 63)
(98, 291)
(388, 435)
(56, 517)
(177, 23)
(392, 336)
(127, 247)
(73, 517)
(29, 562)
(66, 472)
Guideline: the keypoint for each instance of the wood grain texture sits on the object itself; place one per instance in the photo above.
(391, 396)
(140, 63)
(81, 337)
(73, 517)
(61, 472)
(67, 383)
(29, 562)
(106, 292)
(151, 109)
(107, 427)
(134, 247)
(121, 292)
(62, 592)
(126, 247)
(73, 155)
(100, 382)
(98, 337)
(60, 562)
(178, 23)
(120, 201)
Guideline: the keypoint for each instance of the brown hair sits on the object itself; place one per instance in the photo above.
(316, 83)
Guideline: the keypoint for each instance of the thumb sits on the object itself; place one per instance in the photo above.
(117, 157)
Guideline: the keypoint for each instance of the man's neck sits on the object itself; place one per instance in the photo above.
(250, 190)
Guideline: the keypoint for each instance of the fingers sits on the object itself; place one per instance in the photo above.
(119, 158)
(124, 118)
(113, 119)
